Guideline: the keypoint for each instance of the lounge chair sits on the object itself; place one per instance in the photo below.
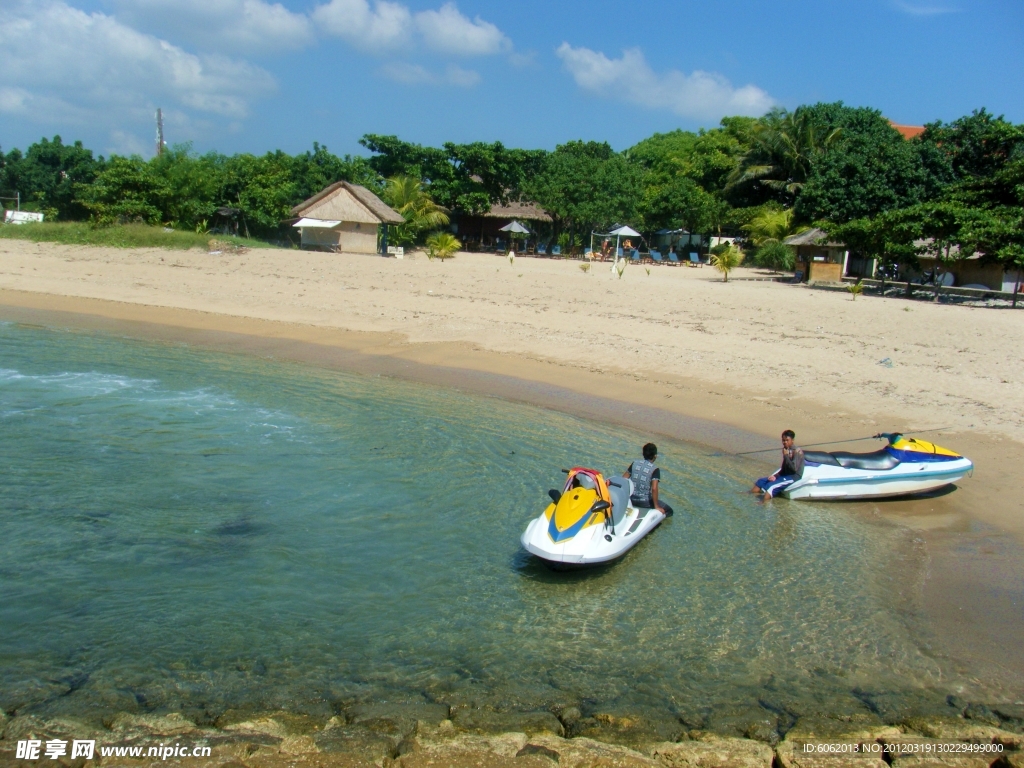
(695, 260)
(542, 249)
(556, 250)
(634, 255)
(588, 253)
(673, 259)
(619, 253)
(656, 257)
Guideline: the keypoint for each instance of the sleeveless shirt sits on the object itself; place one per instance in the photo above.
(641, 475)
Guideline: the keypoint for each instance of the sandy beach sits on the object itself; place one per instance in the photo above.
(672, 350)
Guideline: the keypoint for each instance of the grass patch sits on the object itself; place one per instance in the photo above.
(119, 236)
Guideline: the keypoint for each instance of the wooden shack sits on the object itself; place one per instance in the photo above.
(343, 217)
(819, 260)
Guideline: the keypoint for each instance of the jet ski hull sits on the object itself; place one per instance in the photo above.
(905, 467)
(592, 522)
(591, 548)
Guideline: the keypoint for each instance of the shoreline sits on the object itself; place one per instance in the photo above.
(971, 549)
(421, 734)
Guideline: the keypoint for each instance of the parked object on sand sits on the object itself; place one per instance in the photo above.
(904, 466)
(591, 522)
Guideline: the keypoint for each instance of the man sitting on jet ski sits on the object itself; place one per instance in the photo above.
(790, 471)
(645, 476)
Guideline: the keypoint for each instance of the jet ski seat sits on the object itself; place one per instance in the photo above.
(618, 487)
(878, 460)
(820, 457)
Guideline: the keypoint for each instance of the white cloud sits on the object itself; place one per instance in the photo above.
(122, 143)
(410, 74)
(79, 66)
(917, 9)
(387, 25)
(251, 26)
(464, 78)
(416, 74)
(448, 31)
(700, 95)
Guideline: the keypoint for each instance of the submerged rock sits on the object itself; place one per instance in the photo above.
(397, 720)
(631, 729)
(171, 724)
(488, 721)
(279, 723)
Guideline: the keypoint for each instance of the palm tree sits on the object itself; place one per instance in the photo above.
(727, 260)
(784, 146)
(773, 226)
(408, 197)
(442, 245)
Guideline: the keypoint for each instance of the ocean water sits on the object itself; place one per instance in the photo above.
(196, 531)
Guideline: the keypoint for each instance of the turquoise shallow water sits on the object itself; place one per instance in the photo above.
(189, 530)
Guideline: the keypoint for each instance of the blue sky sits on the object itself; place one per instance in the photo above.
(252, 75)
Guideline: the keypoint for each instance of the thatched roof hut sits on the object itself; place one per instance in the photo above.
(343, 217)
(483, 230)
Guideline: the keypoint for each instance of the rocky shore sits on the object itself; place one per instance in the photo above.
(423, 734)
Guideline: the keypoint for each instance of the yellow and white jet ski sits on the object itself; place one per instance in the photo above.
(905, 466)
(592, 521)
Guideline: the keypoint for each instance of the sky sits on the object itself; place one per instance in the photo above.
(254, 76)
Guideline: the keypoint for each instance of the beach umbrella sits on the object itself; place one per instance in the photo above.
(625, 232)
(620, 233)
(516, 227)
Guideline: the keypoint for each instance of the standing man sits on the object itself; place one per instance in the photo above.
(790, 471)
(645, 476)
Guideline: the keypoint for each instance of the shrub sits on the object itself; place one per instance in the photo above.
(442, 245)
(726, 260)
(775, 256)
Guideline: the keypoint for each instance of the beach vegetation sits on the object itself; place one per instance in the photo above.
(784, 148)
(774, 255)
(135, 235)
(855, 289)
(959, 185)
(585, 185)
(442, 245)
(773, 225)
(408, 196)
(726, 259)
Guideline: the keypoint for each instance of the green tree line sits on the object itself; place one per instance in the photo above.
(844, 168)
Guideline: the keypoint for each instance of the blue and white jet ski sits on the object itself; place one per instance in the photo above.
(905, 466)
(591, 522)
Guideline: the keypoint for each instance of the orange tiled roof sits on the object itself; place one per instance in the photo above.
(908, 131)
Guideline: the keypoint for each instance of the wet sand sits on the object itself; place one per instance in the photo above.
(676, 353)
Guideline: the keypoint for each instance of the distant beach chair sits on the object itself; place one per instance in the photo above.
(695, 260)
(673, 259)
(656, 257)
(556, 250)
(588, 252)
(634, 255)
(542, 249)
(618, 253)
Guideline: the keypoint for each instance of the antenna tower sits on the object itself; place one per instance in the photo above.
(159, 131)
